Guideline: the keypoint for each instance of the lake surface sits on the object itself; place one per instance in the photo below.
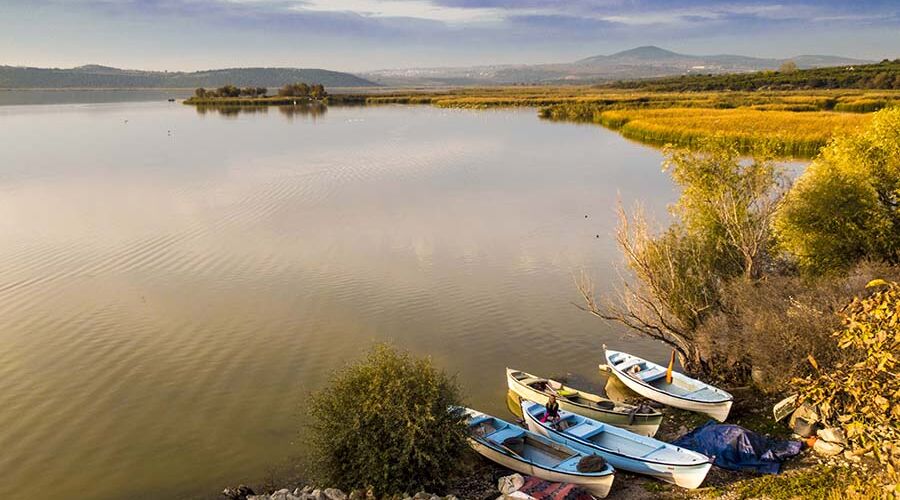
(173, 283)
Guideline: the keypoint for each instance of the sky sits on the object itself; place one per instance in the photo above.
(363, 35)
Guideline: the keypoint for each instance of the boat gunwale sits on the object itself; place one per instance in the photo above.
(619, 372)
(634, 416)
(608, 470)
(709, 460)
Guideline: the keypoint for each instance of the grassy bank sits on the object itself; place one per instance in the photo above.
(798, 123)
(792, 133)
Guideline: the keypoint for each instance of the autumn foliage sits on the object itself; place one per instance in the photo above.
(862, 390)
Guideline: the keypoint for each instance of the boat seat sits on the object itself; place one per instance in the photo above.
(502, 435)
(628, 364)
(584, 430)
(652, 374)
(614, 358)
(654, 450)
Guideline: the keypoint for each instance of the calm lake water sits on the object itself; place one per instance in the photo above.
(173, 283)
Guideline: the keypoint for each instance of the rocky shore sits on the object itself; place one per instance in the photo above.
(309, 493)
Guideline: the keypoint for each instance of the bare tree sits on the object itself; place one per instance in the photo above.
(673, 289)
(724, 213)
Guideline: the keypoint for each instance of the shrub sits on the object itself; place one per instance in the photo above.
(384, 423)
(861, 391)
(846, 206)
(795, 314)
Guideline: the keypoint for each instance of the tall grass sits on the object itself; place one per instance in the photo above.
(799, 122)
(793, 134)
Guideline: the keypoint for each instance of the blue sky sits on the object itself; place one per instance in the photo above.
(359, 35)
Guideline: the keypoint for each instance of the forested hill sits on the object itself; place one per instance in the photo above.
(93, 76)
(883, 75)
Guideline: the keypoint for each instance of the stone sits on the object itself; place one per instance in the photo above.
(317, 495)
(827, 449)
(239, 493)
(833, 435)
(852, 457)
(297, 492)
(335, 494)
(803, 419)
(422, 496)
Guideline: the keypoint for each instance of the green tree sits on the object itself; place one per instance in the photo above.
(317, 91)
(846, 206)
(228, 91)
(721, 233)
(384, 422)
(787, 67)
(200, 92)
(261, 91)
(294, 90)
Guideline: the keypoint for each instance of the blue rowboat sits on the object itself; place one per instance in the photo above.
(532, 454)
(622, 449)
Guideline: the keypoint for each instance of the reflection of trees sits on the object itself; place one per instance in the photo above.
(301, 109)
(230, 111)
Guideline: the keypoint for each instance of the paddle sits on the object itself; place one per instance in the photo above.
(669, 369)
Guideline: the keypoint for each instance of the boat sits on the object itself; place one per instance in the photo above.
(622, 449)
(532, 454)
(649, 380)
(642, 420)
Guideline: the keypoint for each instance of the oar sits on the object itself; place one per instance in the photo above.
(670, 368)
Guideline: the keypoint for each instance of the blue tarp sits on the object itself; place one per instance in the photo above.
(737, 448)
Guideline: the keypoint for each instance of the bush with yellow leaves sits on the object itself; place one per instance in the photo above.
(861, 391)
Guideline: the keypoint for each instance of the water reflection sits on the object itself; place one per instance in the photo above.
(291, 112)
(140, 339)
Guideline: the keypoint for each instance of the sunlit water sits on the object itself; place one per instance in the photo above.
(172, 284)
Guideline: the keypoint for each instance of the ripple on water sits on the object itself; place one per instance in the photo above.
(165, 303)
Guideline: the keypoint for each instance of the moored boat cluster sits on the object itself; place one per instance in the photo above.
(588, 437)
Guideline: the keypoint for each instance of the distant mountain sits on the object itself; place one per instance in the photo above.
(640, 62)
(645, 53)
(96, 76)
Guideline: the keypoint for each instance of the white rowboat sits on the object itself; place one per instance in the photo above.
(532, 454)
(622, 449)
(643, 421)
(649, 380)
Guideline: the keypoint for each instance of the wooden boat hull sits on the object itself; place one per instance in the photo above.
(718, 410)
(685, 475)
(645, 425)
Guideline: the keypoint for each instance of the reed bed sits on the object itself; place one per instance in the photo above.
(793, 134)
(797, 122)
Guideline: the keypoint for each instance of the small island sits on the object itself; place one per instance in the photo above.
(292, 93)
